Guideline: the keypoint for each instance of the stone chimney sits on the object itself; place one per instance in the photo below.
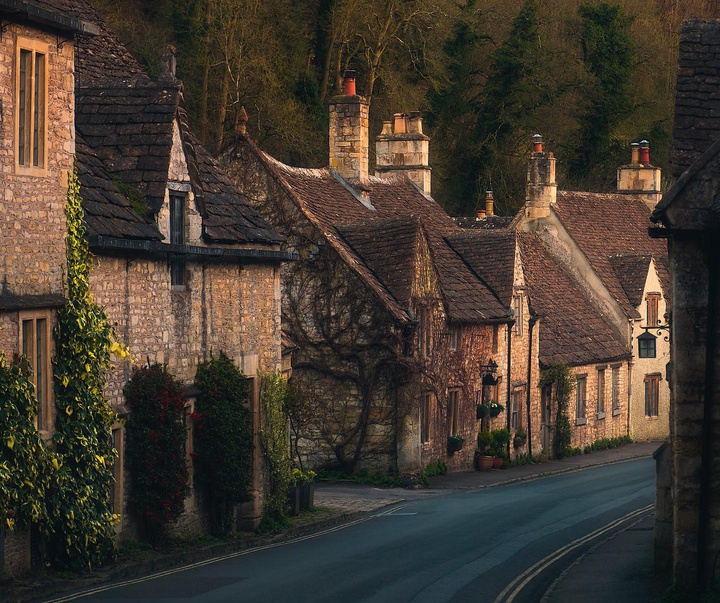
(402, 148)
(640, 177)
(489, 204)
(349, 134)
(541, 189)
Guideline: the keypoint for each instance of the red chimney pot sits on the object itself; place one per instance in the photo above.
(537, 143)
(644, 152)
(349, 83)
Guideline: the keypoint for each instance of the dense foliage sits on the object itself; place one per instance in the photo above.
(80, 523)
(274, 441)
(562, 382)
(155, 448)
(25, 462)
(590, 76)
(223, 439)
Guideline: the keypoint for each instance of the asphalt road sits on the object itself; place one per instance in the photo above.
(496, 545)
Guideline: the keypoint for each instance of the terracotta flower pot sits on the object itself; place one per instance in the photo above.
(483, 462)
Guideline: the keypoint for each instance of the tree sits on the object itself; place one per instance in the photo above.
(609, 55)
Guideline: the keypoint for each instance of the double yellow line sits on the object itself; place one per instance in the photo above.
(512, 590)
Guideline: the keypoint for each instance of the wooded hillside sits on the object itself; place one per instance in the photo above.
(591, 77)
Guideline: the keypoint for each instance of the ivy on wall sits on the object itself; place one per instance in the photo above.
(563, 381)
(223, 439)
(155, 448)
(79, 530)
(275, 448)
(25, 462)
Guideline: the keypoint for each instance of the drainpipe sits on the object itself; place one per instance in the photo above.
(507, 385)
(706, 469)
(531, 324)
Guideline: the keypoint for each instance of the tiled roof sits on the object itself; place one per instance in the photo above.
(107, 211)
(331, 206)
(486, 223)
(491, 255)
(631, 270)
(388, 248)
(572, 330)
(604, 225)
(697, 97)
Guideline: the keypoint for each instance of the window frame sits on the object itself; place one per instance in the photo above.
(647, 346)
(32, 139)
(652, 395)
(426, 406)
(601, 392)
(177, 231)
(581, 400)
(517, 396)
(518, 301)
(652, 308)
(453, 337)
(44, 419)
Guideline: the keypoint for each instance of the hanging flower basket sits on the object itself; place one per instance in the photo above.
(454, 443)
(483, 411)
(496, 409)
(520, 438)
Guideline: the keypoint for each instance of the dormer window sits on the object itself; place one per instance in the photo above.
(31, 103)
(177, 237)
(647, 346)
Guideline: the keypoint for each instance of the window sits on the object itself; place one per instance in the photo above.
(653, 303)
(516, 401)
(546, 404)
(425, 415)
(518, 309)
(652, 392)
(116, 492)
(31, 103)
(646, 346)
(453, 337)
(35, 342)
(453, 412)
(177, 237)
(601, 393)
(616, 390)
(581, 399)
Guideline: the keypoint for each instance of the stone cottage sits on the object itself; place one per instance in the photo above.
(396, 332)
(687, 533)
(184, 265)
(616, 337)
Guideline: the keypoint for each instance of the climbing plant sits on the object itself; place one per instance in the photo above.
(25, 462)
(275, 447)
(155, 448)
(79, 530)
(223, 439)
(563, 381)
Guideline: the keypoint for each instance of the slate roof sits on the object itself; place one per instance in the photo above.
(346, 220)
(697, 96)
(604, 225)
(107, 211)
(486, 223)
(572, 330)
(491, 255)
(632, 270)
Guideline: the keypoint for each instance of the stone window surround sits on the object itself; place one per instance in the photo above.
(35, 47)
(453, 411)
(581, 400)
(35, 319)
(601, 386)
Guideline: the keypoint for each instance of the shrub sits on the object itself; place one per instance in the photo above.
(223, 439)
(156, 448)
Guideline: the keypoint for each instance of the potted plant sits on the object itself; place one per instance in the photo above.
(454, 443)
(501, 437)
(483, 458)
(495, 409)
(520, 438)
(483, 410)
(305, 484)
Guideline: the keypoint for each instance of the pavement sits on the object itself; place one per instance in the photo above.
(617, 570)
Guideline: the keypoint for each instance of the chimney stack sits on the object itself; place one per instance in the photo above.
(402, 148)
(640, 177)
(489, 204)
(349, 132)
(541, 189)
